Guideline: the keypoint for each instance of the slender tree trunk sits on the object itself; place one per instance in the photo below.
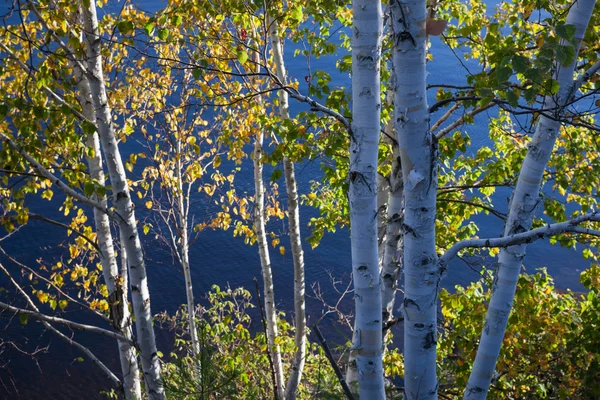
(364, 146)
(524, 201)
(390, 239)
(294, 219)
(392, 253)
(115, 283)
(125, 209)
(419, 172)
(185, 257)
(265, 260)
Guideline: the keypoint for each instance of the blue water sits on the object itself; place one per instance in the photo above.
(218, 258)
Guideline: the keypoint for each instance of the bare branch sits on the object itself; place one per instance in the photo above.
(61, 335)
(461, 120)
(584, 78)
(443, 102)
(66, 322)
(444, 117)
(525, 237)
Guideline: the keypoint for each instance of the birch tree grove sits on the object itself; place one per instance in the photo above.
(468, 133)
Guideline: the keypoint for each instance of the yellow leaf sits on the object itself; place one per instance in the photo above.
(148, 204)
(42, 297)
(282, 250)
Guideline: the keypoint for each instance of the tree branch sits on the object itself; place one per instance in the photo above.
(525, 237)
(61, 335)
(66, 322)
(461, 120)
(443, 102)
(56, 181)
(584, 78)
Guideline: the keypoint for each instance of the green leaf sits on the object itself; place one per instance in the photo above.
(242, 56)
(23, 318)
(276, 174)
(513, 98)
(125, 27)
(503, 74)
(566, 32)
(177, 20)
(553, 86)
(163, 34)
(197, 73)
(297, 14)
(565, 55)
(149, 28)
(88, 188)
(519, 64)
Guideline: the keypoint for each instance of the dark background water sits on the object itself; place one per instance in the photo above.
(218, 258)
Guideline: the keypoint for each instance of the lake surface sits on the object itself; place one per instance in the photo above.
(218, 258)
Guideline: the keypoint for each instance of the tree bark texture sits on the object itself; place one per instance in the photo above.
(125, 209)
(367, 347)
(418, 152)
(525, 199)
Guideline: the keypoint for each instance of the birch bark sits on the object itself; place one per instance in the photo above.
(391, 231)
(294, 221)
(392, 240)
(110, 271)
(265, 261)
(364, 145)
(125, 209)
(185, 256)
(521, 213)
(419, 171)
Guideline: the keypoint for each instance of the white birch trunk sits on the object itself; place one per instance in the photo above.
(185, 256)
(392, 241)
(125, 210)
(419, 171)
(521, 213)
(265, 263)
(367, 347)
(294, 219)
(110, 271)
(265, 259)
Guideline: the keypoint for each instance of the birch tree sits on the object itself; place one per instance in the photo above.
(523, 206)
(418, 156)
(115, 282)
(366, 106)
(123, 203)
(294, 222)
